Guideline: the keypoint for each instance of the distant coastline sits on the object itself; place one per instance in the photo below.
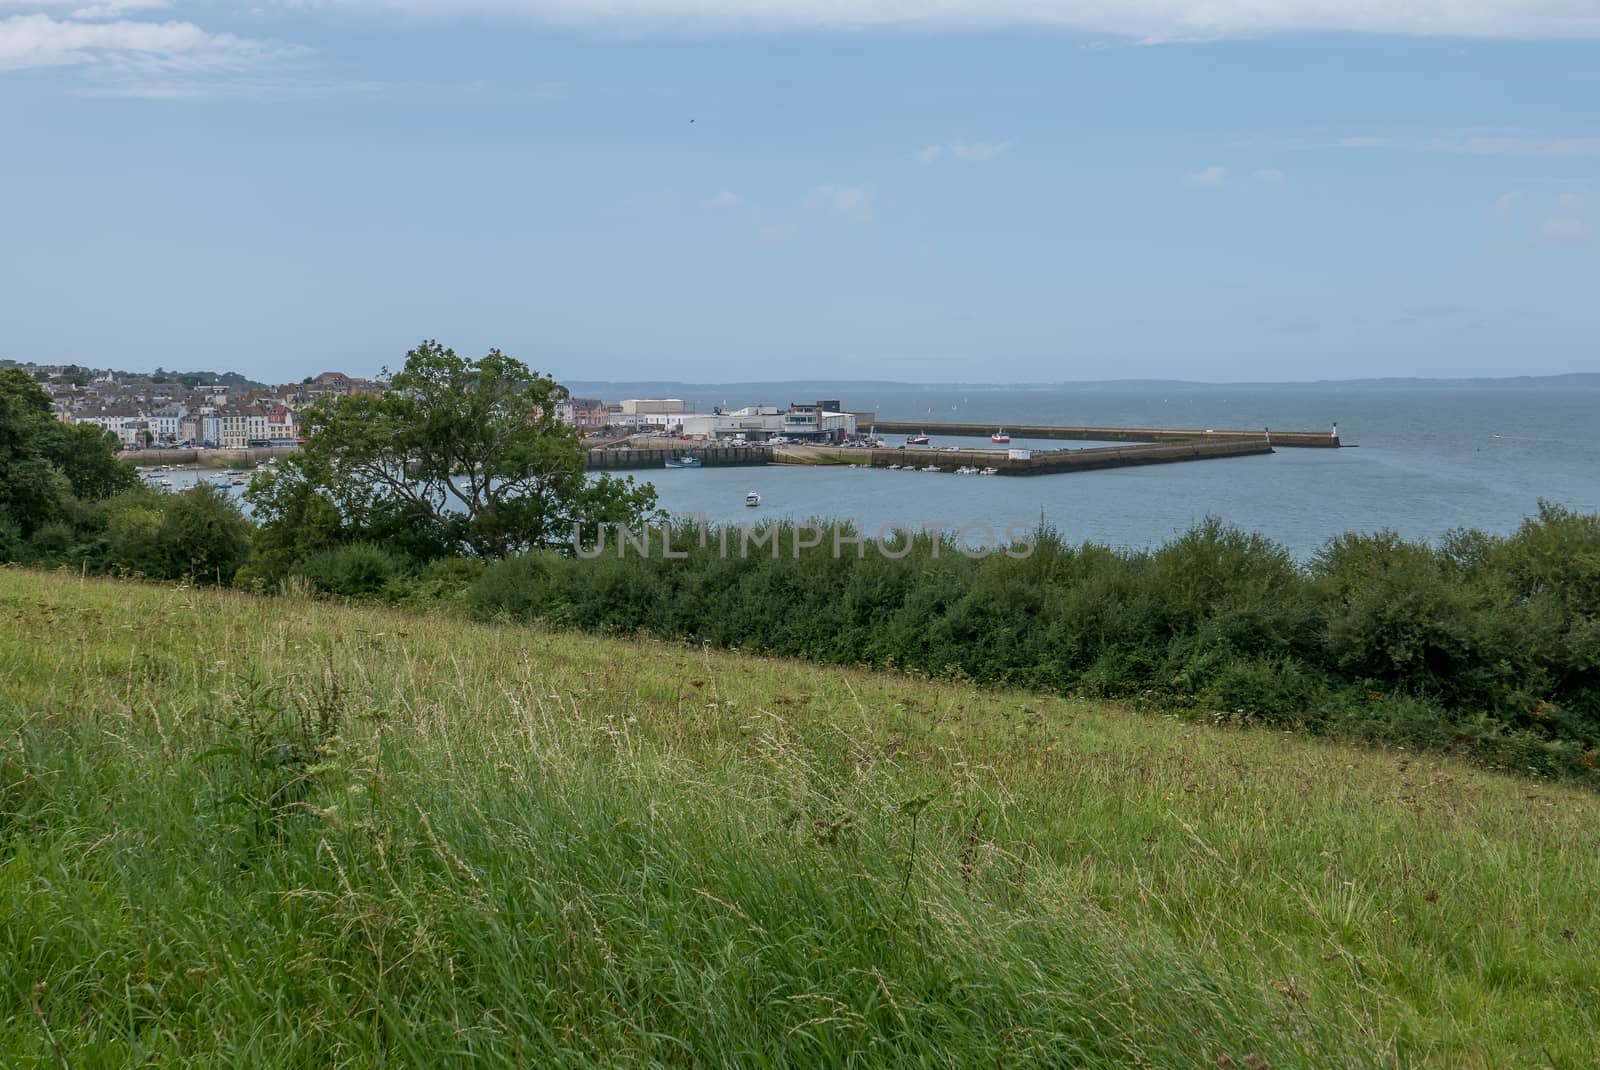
(806, 387)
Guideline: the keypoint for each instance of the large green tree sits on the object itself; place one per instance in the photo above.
(45, 464)
(459, 455)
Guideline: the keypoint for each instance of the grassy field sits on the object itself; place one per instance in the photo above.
(238, 831)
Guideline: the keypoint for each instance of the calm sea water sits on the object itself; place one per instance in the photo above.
(1427, 459)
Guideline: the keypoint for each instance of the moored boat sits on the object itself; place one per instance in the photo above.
(1000, 437)
(752, 499)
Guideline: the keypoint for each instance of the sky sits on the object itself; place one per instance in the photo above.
(714, 190)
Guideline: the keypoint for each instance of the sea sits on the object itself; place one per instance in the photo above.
(1421, 458)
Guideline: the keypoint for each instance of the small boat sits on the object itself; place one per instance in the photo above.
(930, 468)
(989, 472)
(166, 482)
(752, 499)
(1000, 437)
(894, 468)
(683, 462)
(917, 440)
(235, 482)
(966, 470)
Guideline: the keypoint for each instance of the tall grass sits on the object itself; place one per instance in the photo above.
(248, 832)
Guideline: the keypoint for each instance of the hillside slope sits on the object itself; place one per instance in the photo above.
(243, 831)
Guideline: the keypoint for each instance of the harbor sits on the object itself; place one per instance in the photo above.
(994, 460)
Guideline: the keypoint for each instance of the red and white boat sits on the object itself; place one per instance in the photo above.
(1000, 437)
(917, 440)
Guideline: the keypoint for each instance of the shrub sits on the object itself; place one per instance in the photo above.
(202, 535)
(448, 580)
(516, 587)
(1276, 691)
(359, 570)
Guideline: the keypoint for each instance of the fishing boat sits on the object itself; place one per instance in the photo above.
(1000, 437)
(683, 462)
(752, 499)
(989, 472)
(918, 439)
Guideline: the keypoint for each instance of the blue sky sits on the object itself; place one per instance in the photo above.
(1001, 191)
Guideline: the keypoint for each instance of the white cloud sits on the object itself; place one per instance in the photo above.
(855, 204)
(110, 9)
(1505, 204)
(966, 152)
(1566, 231)
(1149, 20)
(1269, 176)
(33, 41)
(86, 9)
(725, 199)
(1363, 142)
(1207, 178)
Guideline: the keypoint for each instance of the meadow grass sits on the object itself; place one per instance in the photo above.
(241, 831)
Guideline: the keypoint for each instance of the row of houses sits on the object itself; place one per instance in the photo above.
(145, 411)
(161, 409)
(226, 426)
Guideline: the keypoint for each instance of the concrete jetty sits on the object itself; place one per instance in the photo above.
(1286, 439)
(1041, 462)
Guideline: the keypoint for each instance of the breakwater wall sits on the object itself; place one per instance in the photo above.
(1287, 439)
(710, 456)
(1048, 462)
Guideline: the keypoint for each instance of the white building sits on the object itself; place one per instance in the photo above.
(760, 422)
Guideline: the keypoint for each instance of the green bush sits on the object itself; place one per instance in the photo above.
(446, 581)
(514, 587)
(354, 571)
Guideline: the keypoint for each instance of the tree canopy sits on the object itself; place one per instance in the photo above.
(459, 455)
(47, 465)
